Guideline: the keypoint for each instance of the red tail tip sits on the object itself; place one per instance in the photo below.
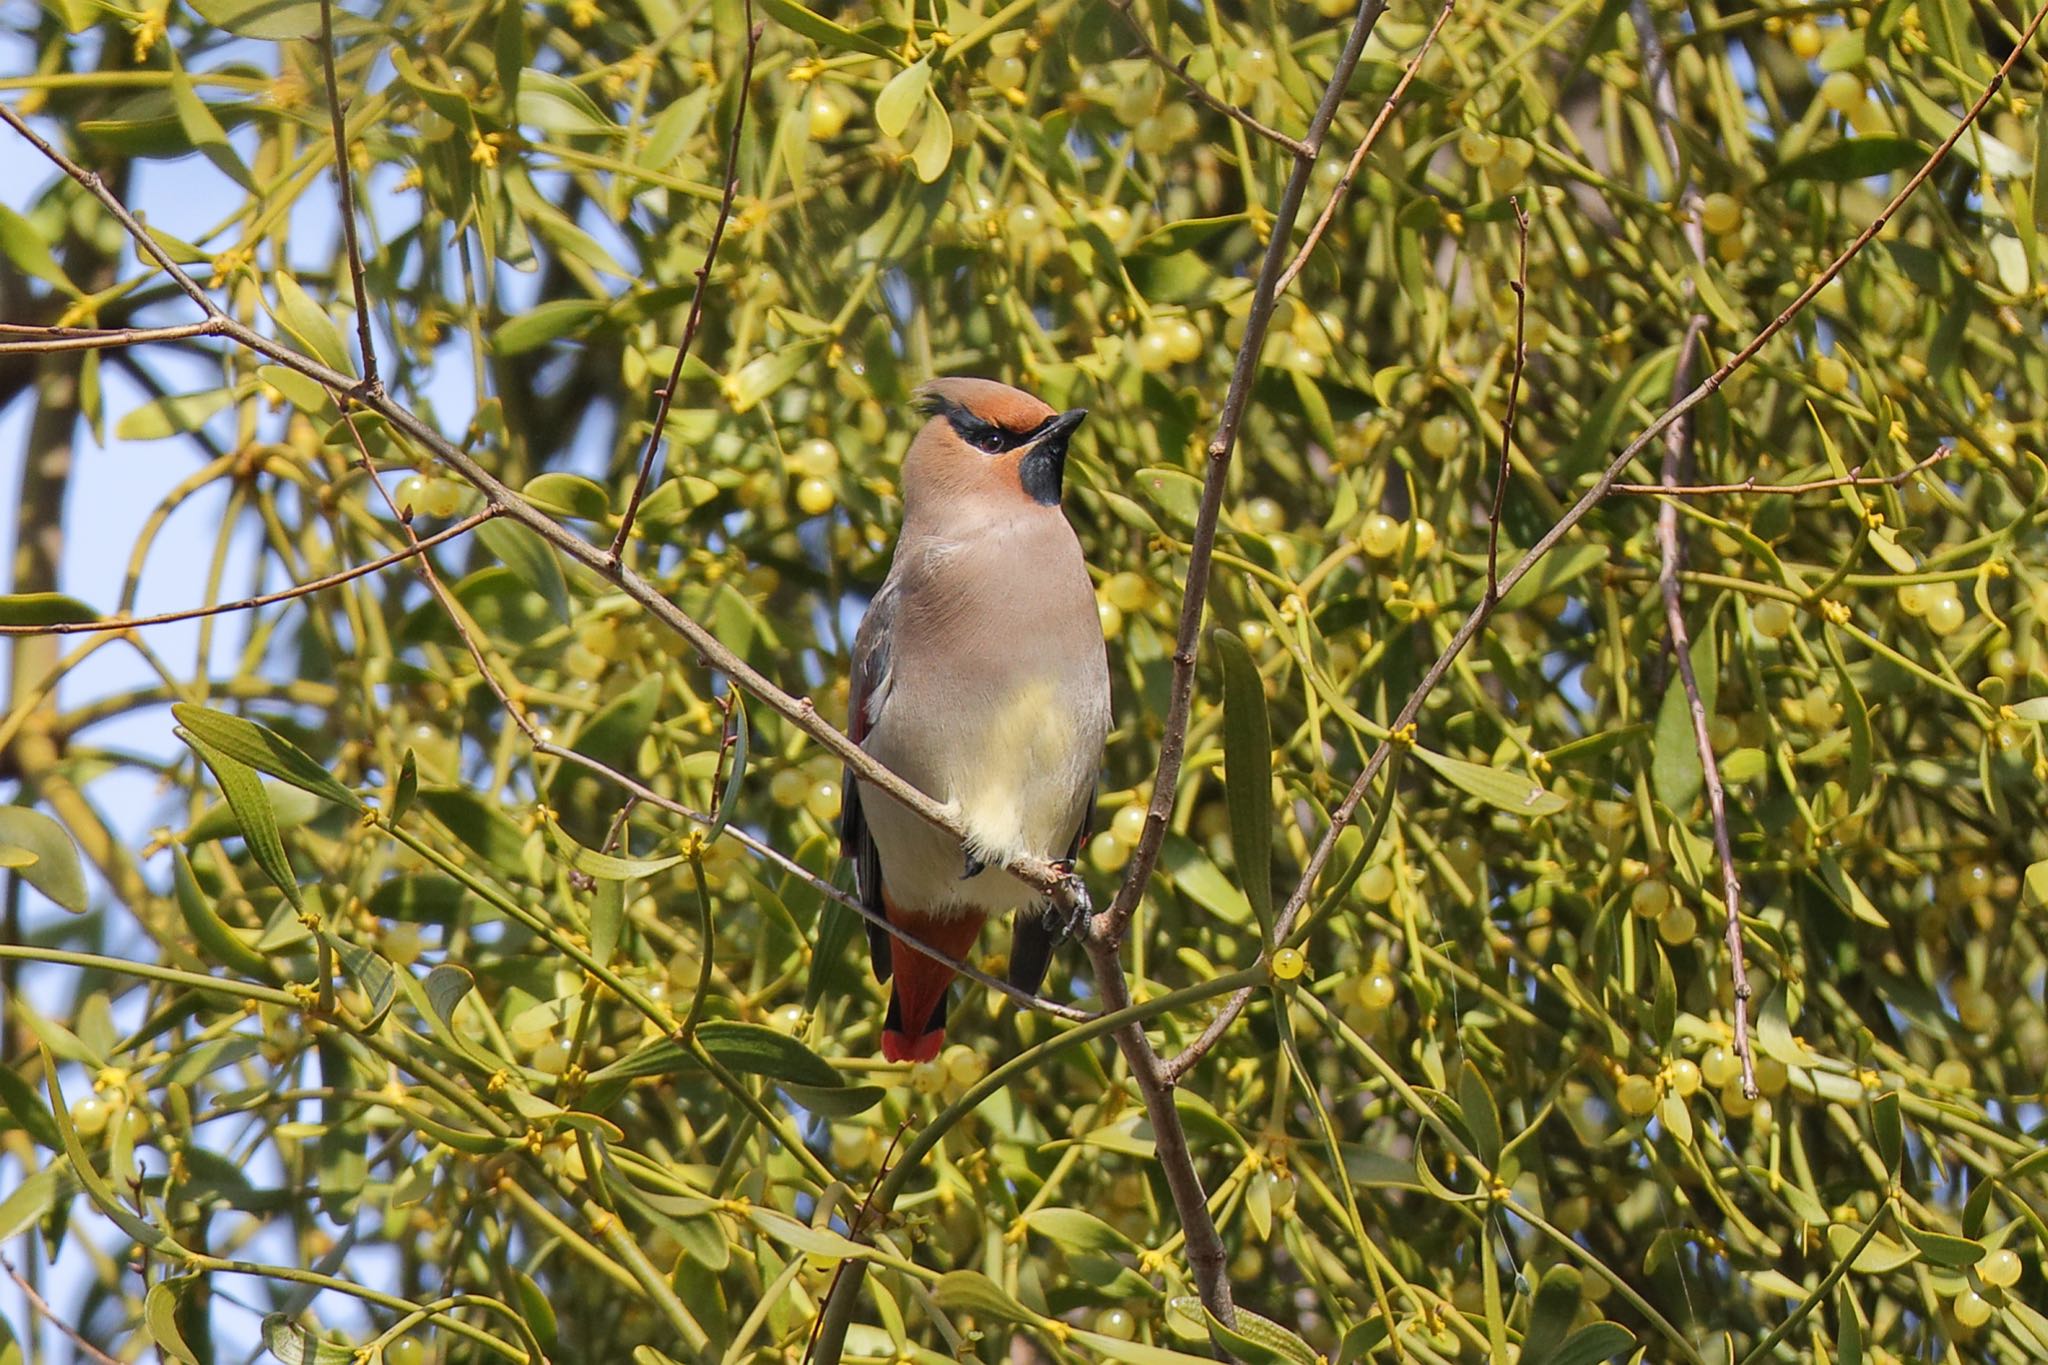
(901, 1047)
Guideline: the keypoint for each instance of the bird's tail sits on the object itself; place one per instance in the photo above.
(915, 1028)
(900, 1044)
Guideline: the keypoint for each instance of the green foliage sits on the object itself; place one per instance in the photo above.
(590, 1080)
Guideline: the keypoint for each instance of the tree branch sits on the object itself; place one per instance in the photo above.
(1402, 726)
(39, 1304)
(112, 623)
(1364, 149)
(1111, 924)
(665, 396)
(345, 180)
(1507, 424)
(1855, 478)
(1178, 70)
(1677, 464)
(52, 340)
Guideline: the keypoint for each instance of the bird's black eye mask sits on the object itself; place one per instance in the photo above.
(984, 435)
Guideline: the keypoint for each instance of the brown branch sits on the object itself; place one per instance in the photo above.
(1507, 425)
(1364, 149)
(1671, 558)
(1855, 478)
(1677, 464)
(1105, 932)
(97, 188)
(52, 340)
(665, 396)
(1110, 925)
(1347, 809)
(348, 205)
(41, 1305)
(416, 547)
(1178, 70)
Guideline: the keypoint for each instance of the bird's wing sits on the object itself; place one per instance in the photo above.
(1038, 928)
(867, 694)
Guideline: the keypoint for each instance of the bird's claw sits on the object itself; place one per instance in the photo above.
(972, 867)
(1080, 909)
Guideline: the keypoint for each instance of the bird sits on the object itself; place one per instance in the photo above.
(979, 676)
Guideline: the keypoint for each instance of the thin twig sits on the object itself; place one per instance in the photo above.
(1110, 925)
(1402, 727)
(348, 200)
(1671, 558)
(1677, 465)
(1178, 70)
(97, 188)
(1364, 149)
(415, 547)
(666, 395)
(1507, 425)
(1855, 478)
(50, 340)
(1206, 1255)
(611, 836)
(42, 1305)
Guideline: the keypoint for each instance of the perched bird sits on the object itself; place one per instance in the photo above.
(980, 677)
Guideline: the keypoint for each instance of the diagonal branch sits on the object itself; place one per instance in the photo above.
(41, 1305)
(348, 205)
(1111, 925)
(1507, 424)
(416, 547)
(1855, 478)
(51, 340)
(1347, 809)
(1364, 149)
(97, 188)
(1179, 71)
(666, 394)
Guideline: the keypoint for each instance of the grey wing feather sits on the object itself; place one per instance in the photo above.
(867, 692)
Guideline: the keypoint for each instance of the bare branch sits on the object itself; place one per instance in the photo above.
(416, 547)
(51, 340)
(1855, 478)
(348, 205)
(93, 185)
(1364, 149)
(1110, 925)
(1678, 462)
(1347, 809)
(1178, 70)
(1671, 557)
(1507, 424)
(666, 395)
(41, 1305)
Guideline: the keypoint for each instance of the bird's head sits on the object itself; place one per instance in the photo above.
(987, 440)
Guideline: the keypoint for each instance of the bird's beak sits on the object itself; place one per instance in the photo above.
(1044, 466)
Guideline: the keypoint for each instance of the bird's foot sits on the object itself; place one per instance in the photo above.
(973, 867)
(1078, 908)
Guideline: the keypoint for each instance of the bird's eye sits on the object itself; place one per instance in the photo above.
(991, 441)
